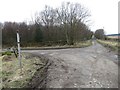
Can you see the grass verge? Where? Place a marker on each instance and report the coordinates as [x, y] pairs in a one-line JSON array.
[[76, 45], [13, 77], [113, 45]]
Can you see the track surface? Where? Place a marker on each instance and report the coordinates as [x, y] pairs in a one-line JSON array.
[[90, 67]]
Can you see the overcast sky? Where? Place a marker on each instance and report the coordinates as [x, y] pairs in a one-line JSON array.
[[104, 12]]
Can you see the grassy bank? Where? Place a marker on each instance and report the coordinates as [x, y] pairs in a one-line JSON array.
[[14, 77], [113, 45], [76, 45]]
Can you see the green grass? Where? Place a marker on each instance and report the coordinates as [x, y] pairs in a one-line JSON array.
[[110, 44], [6, 53], [11, 74]]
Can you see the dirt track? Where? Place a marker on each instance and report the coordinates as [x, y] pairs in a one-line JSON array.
[[90, 67]]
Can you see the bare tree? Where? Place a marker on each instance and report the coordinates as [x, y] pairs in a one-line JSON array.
[[72, 15], [48, 18]]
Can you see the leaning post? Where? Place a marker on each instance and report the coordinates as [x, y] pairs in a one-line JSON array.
[[19, 51]]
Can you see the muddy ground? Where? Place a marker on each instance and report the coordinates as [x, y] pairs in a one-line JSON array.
[[90, 67]]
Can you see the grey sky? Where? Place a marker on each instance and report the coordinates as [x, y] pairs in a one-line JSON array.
[[104, 12]]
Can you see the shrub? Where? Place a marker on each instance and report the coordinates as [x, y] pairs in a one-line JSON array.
[[7, 53]]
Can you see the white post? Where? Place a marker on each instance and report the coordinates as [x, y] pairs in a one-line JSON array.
[[18, 42]]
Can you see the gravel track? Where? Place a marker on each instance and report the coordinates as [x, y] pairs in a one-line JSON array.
[[90, 67]]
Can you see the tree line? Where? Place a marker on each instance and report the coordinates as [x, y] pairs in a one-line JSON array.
[[64, 25]]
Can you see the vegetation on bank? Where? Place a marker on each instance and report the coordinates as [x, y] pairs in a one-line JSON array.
[[114, 45], [12, 76]]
